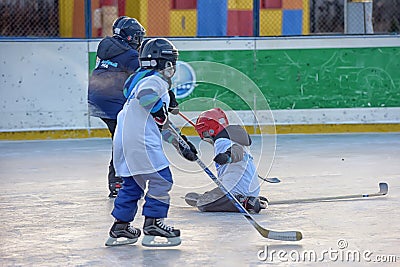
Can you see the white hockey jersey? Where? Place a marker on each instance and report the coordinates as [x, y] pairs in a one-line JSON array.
[[239, 177], [137, 144]]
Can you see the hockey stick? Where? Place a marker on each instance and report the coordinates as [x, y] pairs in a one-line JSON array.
[[383, 190], [187, 119], [271, 234], [273, 180]]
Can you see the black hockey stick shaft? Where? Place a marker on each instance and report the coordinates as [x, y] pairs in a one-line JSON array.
[[383, 190], [284, 235]]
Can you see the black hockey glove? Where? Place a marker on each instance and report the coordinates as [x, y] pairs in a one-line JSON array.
[[233, 154], [189, 154], [160, 116], [223, 158], [173, 104]]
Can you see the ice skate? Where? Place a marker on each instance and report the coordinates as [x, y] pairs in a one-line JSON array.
[[263, 202], [251, 204], [157, 234], [191, 198], [121, 233]]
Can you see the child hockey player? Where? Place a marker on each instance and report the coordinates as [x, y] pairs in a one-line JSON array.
[[117, 58], [234, 164], [138, 153]]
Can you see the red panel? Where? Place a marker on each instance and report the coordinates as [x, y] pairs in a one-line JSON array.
[[108, 2], [240, 22], [271, 4], [184, 4], [121, 8]]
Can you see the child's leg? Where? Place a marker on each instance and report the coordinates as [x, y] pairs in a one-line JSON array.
[[215, 200], [125, 205], [157, 197], [155, 210]]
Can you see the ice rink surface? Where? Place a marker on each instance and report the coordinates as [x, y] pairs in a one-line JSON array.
[[55, 212]]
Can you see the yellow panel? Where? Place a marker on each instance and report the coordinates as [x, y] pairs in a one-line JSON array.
[[306, 17], [270, 22], [137, 9], [66, 12], [183, 22], [240, 4], [189, 131]]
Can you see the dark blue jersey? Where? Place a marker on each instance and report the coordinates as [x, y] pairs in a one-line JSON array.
[[116, 61]]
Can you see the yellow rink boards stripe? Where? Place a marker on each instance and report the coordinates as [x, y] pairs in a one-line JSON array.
[[280, 129]]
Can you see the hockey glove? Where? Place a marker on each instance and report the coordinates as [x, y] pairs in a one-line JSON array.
[[189, 154], [223, 158], [160, 116], [233, 154], [173, 104]]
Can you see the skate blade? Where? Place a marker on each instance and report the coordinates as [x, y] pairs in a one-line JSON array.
[[111, 241], [158, 241]]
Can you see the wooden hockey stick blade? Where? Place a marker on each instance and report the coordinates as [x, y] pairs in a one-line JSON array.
[[383, 190], [275, 235], [272, 180]]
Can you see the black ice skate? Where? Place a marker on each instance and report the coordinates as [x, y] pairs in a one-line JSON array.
[[157, 234], [251, 204], [121, 233], [263, 202], [114, 188]]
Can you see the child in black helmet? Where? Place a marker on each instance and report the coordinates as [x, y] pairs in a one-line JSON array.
[[138, 153], [117, 59]]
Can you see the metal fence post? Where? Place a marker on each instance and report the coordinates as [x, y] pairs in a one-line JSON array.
[[256, 18], [88, 19]]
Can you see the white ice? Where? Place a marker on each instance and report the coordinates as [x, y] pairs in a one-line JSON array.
[[54, 209]]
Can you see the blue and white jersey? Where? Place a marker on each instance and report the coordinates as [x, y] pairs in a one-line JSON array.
[[137, 144], [239, 177]]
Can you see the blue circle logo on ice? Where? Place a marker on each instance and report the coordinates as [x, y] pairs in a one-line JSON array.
[[184, 80]]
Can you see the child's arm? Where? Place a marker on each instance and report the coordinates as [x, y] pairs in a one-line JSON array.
[[231, 155]]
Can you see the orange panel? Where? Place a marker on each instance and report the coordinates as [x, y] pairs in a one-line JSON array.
[[158, 19], [292, 4], [79, 19]]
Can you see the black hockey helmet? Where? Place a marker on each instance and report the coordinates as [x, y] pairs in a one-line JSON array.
[[117, 21], [159, 54], [130, 30]]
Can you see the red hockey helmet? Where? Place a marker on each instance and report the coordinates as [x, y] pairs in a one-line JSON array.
[[211, 122]]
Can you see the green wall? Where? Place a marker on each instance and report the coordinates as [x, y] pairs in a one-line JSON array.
[[312, 78], [308, 78]]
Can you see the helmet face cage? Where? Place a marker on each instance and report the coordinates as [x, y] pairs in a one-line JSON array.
[[158, 53], [131, 31], [211, 122]]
